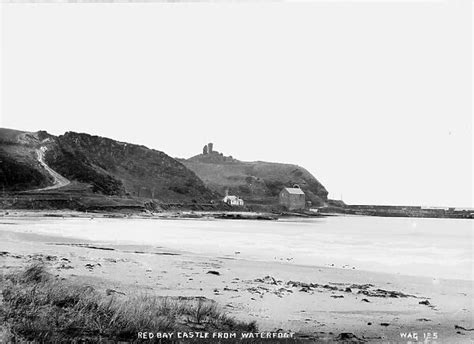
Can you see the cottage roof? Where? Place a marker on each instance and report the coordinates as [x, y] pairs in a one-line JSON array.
[[230, 197], [294, 191]]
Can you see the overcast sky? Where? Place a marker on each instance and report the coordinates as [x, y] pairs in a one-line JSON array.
[[373, 98]]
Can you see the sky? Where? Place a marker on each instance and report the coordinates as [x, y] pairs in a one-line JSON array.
[[373, 98]]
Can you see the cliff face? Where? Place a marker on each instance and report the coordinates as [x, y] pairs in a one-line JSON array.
[[101, 165], [257, 182]]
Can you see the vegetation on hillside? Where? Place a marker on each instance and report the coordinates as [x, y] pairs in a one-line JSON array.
[[19, 169], [17, 175], [9, 136], [108, 167], [117, 168], [257, 182], [103, 166], [75, 166]]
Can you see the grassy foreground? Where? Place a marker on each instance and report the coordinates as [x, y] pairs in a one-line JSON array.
[[36, 306]]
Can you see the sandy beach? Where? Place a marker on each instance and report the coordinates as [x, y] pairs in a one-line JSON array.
[[316, 302]]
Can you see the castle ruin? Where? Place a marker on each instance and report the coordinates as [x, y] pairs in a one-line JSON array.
[[207, 149]]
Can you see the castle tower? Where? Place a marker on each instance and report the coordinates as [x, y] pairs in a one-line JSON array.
[[210, 147]]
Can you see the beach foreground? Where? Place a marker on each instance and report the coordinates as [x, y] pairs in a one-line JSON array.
[[320, 304]]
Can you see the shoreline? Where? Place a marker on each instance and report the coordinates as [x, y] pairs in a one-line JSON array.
[[275, 241], [182, 214], [195, 215], [313, 301]]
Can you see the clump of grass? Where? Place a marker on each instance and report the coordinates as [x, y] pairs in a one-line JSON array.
[[37, 306], [35, 273]]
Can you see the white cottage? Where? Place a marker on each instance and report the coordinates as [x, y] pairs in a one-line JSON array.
[[233, 200]]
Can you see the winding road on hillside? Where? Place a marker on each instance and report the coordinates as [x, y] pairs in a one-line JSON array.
[[58, 180]]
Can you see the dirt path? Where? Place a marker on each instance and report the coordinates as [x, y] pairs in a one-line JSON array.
[[58, 180]]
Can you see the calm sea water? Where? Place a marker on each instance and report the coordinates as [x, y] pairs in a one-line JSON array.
[[441, 248]]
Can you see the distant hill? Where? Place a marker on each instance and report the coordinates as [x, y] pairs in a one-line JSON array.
[[82, 164], [35, 160], [257, 182]]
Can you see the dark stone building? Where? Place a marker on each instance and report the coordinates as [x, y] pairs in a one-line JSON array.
[[293, 198]]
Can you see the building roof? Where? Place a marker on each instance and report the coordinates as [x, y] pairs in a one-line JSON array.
[[232, 198], [294, 191]]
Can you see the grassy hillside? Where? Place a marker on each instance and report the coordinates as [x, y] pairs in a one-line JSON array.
[[107, 167], [17, 175], [10, 135], [257, 182], [118, 168], [100, 165], [19, 167]]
